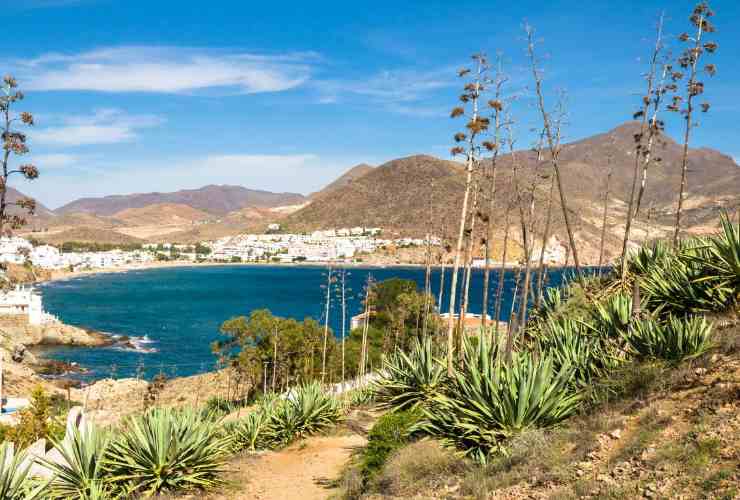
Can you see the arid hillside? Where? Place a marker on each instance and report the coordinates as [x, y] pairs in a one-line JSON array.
[[400, 194], [217, 200]]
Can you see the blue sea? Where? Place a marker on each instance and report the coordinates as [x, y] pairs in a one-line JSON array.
[[173, 315]]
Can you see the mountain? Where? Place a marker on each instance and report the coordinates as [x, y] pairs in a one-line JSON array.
[[216, 200], [161, 213], [345, 179], [397, 195]]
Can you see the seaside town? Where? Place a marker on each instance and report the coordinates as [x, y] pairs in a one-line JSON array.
[[333, 245]]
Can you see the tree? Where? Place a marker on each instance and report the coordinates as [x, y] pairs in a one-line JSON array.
[[475, 126], [689, 61], [14, 143]]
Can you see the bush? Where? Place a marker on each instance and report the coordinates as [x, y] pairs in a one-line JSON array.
[[409, 380], [419, 465], [675, 340], [167, 450], [41, 420], [389, 433], [307, 410], [253, 431], [491, 401]]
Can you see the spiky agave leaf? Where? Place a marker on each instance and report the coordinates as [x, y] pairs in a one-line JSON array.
[[81, 474], [15, 483], [307, 409], [490, 401], [167, 450], [581, 345], [675, 340], [409, 379]]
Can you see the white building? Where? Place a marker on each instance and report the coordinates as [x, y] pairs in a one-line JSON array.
[[47, 256], [24, 301], [13, 250]]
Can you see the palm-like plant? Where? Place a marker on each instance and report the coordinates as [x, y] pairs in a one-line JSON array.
[[675, 340], [307, 410], [612, 316], [409, 379], [15, 483], [167, 450], [490, 401], [80, 473]]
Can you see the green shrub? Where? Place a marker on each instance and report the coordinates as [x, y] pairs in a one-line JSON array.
[[253, 431], [14, 481], [167, 450], [40, 420], [673, 340], [488, 402], [217, 406], [580, 345], [308, 409], [389, 433], [82, 473], [409, 380]]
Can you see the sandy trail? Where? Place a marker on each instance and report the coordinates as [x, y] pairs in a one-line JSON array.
[[302, 471]]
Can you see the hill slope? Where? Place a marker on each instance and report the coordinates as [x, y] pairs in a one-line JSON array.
[[345, 179], [217, 200], [396, 195]]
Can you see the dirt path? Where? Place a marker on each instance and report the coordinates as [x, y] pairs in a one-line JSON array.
[[302, 471]]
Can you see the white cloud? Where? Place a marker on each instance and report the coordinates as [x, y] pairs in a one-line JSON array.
[[397, 91], [55, 160], [104, 126], [166, 70]]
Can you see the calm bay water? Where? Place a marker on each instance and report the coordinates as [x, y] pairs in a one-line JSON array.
[[174, 314]]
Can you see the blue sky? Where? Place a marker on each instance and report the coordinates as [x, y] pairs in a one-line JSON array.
[[133, 96]]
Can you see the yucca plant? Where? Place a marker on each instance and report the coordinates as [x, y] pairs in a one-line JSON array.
[[167, 450], [410, 379], [491, 401], [15, 483], [673, 340], [81, 472], [308, 409]]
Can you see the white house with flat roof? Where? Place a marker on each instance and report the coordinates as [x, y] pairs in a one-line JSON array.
[[24, 301]]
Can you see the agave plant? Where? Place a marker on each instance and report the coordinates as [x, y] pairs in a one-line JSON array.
[[581, 345], [167, 450], [611, 317], [723, 257], [81, 472], [15, 483], [674, 340], [409, 380], [307, 409], [251, 432], [490, 401]]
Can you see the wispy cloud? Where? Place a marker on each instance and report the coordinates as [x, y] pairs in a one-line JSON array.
[[398, 91], [170, 70], [104, 126], [55, 160]]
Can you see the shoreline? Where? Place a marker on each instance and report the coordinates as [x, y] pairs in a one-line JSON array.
[[61, 275]]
